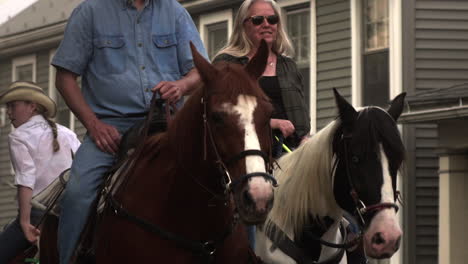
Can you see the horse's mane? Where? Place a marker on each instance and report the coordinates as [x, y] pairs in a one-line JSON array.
[[306, 184]]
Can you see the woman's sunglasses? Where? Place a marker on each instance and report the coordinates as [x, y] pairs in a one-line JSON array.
[[258, 20]]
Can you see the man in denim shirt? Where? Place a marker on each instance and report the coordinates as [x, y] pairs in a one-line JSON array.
[[124, 50]]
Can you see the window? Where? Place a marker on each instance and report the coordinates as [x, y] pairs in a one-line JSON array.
[[298, 29], [376, 25], [375, 58], [24, 69], [215, 29], [64, 116], [216, 37]]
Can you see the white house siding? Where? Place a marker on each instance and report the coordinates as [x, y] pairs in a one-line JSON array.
[[8, 208], [42, 66], [437, 55], [333, 56]]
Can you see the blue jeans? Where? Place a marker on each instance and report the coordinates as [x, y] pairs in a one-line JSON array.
[[12, 240], [87, 171]]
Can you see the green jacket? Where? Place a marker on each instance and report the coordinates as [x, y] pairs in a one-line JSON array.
[[292, 91]]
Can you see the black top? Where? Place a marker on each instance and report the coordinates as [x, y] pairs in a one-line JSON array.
[[270, 86], [292, 95]]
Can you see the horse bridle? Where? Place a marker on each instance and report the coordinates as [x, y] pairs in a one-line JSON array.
[[360, 207], [205, 249], [229, 184]]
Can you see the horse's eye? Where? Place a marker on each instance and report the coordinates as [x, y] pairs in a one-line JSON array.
[[217, 118], [355, 159]]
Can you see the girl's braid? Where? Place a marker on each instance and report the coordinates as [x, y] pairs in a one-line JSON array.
[[53, 126]]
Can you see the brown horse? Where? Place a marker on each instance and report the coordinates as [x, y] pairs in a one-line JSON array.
[[179, 202]]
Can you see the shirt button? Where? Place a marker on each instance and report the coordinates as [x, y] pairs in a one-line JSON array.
[[166, 41], [147, 90], [142, 67], [140, 44], [108, 42]]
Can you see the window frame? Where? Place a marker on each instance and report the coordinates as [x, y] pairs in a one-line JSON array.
[[21, 61], [211, 18], [53, 90]]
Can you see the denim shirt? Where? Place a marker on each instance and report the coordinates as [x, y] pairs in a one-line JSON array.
[[121, 53]]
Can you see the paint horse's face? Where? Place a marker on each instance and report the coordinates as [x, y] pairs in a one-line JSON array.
[[238, 114], [369, 153]]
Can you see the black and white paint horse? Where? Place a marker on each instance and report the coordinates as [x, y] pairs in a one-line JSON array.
[[351, 167]]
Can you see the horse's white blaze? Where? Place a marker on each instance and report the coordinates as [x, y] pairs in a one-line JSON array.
[[260, 189], [385, 221]]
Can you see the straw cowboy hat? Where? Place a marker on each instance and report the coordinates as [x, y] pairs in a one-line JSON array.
[[27, 91]]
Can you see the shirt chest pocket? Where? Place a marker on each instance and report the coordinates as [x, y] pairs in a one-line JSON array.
[[109, 54], [165, 53]]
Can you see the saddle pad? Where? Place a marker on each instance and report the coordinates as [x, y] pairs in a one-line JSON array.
[[113, 182], [50, 196]]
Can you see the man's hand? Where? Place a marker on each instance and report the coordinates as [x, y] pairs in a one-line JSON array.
[[106, 137], [171, 91], [31, 233], [285, 126]]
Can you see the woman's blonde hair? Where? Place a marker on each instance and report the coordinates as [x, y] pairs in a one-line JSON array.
[[240, 45]]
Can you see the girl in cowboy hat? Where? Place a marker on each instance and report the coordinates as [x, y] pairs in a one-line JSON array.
[[40, 150]]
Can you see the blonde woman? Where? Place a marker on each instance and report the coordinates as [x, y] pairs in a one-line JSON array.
[[281, 81], [40, 150]]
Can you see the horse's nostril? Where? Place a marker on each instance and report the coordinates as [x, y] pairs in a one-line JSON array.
[[247, 198], [378, 239]]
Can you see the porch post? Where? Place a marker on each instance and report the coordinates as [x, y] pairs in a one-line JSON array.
[[453, 207]]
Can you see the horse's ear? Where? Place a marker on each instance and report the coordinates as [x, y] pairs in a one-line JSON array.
[[396, 107], [257, 64], [205, 69], [347, 112]]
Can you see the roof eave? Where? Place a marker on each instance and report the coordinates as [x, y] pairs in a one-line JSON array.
[[434, 115], [30, 41], [194, 7]]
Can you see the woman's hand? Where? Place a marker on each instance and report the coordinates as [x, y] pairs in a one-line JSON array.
[[285, 126], [30, 232]]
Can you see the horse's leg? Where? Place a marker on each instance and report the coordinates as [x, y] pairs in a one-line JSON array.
[[48, 243]]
